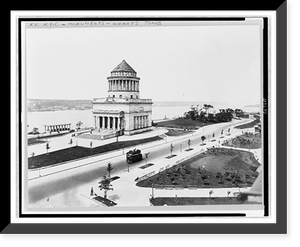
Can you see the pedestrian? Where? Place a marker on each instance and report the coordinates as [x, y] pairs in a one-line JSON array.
[[92, 191]]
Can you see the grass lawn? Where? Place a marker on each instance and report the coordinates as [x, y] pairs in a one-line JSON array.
[[33, 141], [105, 201], [217, 168], [77, 152], [182, 123], [177, 132], [247, 140], [248, 125], [173, 201]]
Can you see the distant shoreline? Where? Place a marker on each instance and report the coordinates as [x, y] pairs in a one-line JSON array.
[[48, 105]]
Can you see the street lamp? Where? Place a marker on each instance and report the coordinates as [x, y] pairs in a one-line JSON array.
[[152, 190], [146, 156]]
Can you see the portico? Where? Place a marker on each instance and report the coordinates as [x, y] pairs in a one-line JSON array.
[[108, 120]]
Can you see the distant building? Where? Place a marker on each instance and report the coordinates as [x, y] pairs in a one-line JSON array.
[[123, 110]]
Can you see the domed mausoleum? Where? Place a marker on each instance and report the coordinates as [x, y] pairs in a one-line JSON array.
[[122, 111]]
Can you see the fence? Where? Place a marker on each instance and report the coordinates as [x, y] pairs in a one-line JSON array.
[[150, 174]]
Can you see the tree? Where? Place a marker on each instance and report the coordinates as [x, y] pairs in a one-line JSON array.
[[247, 176], [229, 110], [211, 117], [189, 143], [204, 177], [71, 142], [109, 168], [239, 112], [203, 138], [47, 147], [78, 125], [171, 148], [206, 107], [105, 185], [32, 156], [220, 176]]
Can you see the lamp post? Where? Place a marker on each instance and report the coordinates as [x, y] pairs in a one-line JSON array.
[[146, 156], [152, 190]]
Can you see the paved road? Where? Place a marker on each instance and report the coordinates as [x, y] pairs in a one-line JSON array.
[[62, 179]]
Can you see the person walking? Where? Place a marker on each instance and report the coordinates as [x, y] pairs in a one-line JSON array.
[[92, 191]]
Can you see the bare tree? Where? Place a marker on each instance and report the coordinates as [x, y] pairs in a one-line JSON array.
[[109, 168]]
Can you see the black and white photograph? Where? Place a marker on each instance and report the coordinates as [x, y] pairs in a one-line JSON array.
[[152, 116]]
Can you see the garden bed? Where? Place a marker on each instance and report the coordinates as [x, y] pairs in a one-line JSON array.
[[171, 156], [216, 168], [175, 201], [247, 141], [105, 201], [182, 123], [248, 125], [146, 166]]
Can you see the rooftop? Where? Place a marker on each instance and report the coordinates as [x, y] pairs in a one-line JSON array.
[[124, 67]]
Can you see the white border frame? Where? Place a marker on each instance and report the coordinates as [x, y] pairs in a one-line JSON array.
[[14, 113]]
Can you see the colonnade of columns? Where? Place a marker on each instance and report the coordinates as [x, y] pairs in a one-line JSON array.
[[140, 122], [123, 85], [58, 127], [107, 122]]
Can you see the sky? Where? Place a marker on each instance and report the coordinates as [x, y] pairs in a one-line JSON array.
[[213, 63]]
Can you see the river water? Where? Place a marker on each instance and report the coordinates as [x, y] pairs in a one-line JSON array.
[[39, 119]]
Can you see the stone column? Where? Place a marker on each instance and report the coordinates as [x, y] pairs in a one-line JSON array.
[[113, 123], [108, 122], [139, 122]]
